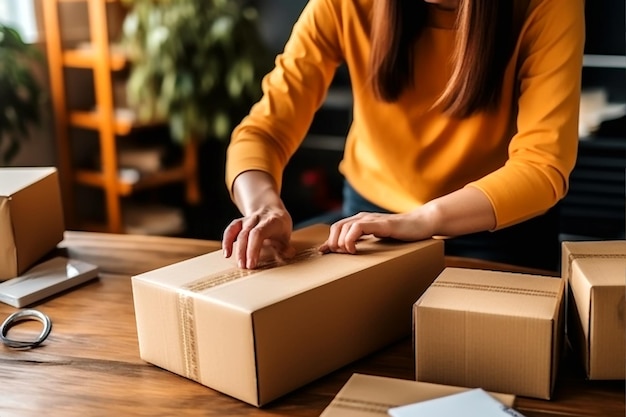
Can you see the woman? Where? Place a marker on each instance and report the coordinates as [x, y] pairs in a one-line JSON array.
[[464, 122]]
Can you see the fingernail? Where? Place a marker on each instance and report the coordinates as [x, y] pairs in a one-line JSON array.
[[240, 264]]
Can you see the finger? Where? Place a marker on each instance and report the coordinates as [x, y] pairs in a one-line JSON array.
[[377, 226], [241, 248], [324, 248], [333, 236], [341, 242], [243, 240], [335, 233], [255, 245], [354, 233], [230, 235]]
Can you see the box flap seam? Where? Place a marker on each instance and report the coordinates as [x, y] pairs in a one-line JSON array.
[[495, 288]]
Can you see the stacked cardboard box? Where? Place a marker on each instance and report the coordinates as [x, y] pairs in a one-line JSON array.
[[494, 330], [31, 217], [257, 335], [596, 328]]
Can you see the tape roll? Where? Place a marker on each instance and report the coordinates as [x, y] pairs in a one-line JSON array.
[[20, 316]]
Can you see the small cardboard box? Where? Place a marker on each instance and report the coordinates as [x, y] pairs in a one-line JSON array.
[[259, 334], [493, 330], [31, 217], [369, 395], [596, 276]]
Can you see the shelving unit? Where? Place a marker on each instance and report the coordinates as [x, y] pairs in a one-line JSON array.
[[110, 124], [604, 61]]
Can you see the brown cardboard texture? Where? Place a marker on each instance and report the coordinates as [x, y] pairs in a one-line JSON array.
[[498, 331], [369, 395], [259, 334], [596, 329], [31, 217]]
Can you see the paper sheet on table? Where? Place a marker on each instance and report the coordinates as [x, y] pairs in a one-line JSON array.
[[472, 403]]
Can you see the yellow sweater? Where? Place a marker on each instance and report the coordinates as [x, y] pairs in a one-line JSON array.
[[403, 154]]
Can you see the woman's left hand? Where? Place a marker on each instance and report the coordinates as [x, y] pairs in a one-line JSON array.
[[346, 232], [467, 210]]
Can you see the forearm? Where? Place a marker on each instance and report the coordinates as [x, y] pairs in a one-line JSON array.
[[467, 210], [464, 211], [255, 190]]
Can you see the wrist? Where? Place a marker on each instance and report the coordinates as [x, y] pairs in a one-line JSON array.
[[254, 191], [429, 217], [262, 199]]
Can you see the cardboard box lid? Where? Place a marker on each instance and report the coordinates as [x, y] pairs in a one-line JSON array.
[[13, 180], [217, 278], [607, 250], [374, 395], [494, 292]]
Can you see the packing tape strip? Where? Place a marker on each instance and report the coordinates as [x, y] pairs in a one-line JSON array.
[[369, 407], [494, 288], [188, 292]]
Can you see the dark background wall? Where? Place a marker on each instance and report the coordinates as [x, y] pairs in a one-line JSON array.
[[594, 206]]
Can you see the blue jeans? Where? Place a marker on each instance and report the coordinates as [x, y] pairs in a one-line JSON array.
[[352, 204], [533, 243]]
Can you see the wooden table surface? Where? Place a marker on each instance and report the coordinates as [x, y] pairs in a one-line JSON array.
[[90, 365]]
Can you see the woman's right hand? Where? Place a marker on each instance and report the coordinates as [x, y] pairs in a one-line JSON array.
[[265, 228], [263, 234]]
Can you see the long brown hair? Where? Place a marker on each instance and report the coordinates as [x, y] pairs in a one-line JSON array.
[[484, 44]]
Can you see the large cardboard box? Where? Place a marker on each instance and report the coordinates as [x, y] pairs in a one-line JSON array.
[[31, 217], [369, 395], [259, 334], [596, 274], [493, 330]]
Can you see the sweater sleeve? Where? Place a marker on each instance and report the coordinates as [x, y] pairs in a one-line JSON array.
[[543, 152], [292, 92]]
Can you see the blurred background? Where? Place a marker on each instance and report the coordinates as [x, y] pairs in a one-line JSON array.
[[136, 105]]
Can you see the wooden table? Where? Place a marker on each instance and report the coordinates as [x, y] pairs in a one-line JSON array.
[[90, 364]]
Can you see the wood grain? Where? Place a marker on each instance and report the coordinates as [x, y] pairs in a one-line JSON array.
[[90, 364], [132, 254]]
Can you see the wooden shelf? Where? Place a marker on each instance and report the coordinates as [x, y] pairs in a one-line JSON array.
[[102, 58], [87, 58], [126, 188], [124, 121], [604, 61], [83, 1], [163, 177]]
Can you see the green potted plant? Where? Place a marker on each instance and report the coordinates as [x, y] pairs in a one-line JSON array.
[[20, 92], [195, 63]]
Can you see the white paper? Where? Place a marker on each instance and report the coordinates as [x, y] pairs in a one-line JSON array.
[[472, 403], [46, 279]]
